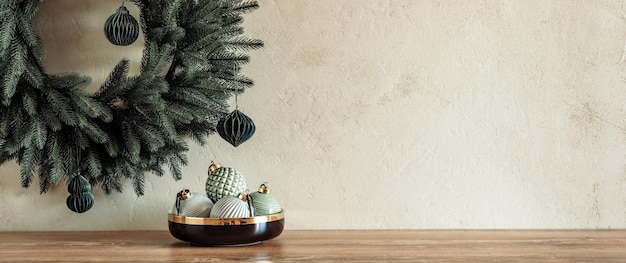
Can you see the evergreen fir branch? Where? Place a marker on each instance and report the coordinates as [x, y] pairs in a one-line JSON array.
[[225, 61], [202, 11], [133, 144], [111, 88], [111, 182], [151, 138], [150, 59], [29, 102], [33, 76], [92, 108], [157, 170], [178, 113], [30, 7], [27, 166], [12, 73], [7, 30], [191, 96], [134, 173], [69, 82], [112, 148], [245, 7], [230, 21], [51, 118], [199, 135], [60, 105], [12, 146], [169, 13], [44, 183], [44, 174], [94, 165], [165, 124], [4, 125], [68, 151], [52, 164], [29, 36], [40, 132], [199, 35], [175, 169], [243, 44], [95, 133]]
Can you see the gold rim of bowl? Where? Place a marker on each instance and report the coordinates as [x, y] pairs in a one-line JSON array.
[[212, 221]]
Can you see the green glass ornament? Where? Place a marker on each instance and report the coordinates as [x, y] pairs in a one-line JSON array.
[[80, 202], [80, 199], [224, 181], [121, 28], [263, 202], [236, 128]]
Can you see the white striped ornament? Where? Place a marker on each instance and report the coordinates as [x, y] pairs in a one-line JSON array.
[[231, 207]]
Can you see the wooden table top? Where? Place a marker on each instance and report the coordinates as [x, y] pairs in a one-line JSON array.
[[324, 246]]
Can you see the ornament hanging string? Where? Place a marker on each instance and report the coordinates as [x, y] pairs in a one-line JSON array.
[[236, 72]]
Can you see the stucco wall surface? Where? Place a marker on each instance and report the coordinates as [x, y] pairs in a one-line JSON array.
[[390, 114]]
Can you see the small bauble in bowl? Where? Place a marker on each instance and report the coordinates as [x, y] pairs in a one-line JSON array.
[[232, 207], [192, 204], [224, 181], [264, 202]]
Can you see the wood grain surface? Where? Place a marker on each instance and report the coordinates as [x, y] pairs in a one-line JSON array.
[[324, 246]]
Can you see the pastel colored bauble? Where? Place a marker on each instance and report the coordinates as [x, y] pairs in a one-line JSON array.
[[231, 207], [224, 181], [195, 205], [265, 204]]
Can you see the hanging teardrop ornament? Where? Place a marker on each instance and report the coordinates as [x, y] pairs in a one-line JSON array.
[[121, 28], [236, 128]]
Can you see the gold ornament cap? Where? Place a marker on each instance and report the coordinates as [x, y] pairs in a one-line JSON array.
[[183, 194], [214, 166], [264, 188], [244, 196]]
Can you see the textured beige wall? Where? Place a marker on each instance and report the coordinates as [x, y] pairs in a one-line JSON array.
[[392, 114]]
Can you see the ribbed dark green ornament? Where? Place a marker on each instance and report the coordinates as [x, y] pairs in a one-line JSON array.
[[78, 184], [80, 202], [236, 128], [121, 28], [80, 199]]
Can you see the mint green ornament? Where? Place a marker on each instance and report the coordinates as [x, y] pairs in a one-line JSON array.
[[263, 202], [224, 181]]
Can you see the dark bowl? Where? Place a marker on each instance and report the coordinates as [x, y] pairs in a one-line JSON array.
[[226, 231]]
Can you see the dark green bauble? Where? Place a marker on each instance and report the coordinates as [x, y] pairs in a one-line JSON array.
[[80, 202], [236, 128], [121, 28], [78, 184]]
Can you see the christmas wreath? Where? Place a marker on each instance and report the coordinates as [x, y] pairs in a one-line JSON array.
[[132, 125]]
